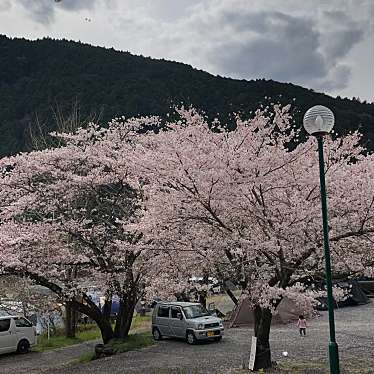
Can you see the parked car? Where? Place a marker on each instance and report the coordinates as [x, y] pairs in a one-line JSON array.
[[17, 334], [190, 321]]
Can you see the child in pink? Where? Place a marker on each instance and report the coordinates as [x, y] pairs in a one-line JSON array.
[[301, 324]]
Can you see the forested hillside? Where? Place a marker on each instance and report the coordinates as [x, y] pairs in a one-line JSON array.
[[37, 78]]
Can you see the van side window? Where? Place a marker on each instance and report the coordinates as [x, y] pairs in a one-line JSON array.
[[22, 322], [163, 311], [4, 324], [175, 311]]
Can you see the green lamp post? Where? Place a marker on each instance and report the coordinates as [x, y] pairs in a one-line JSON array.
[[319, 121]]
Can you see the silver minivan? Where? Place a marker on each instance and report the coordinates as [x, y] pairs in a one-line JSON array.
[[16, 334], [190, 321]]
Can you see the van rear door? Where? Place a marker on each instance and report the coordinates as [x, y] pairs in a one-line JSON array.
[[8, 336]]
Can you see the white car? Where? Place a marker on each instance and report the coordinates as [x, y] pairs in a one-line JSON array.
[[17, 334]]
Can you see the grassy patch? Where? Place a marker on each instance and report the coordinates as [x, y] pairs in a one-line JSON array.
[[85, 333], [132, 342], [85, 357], [223, 297], [54, 342], [140, 323]]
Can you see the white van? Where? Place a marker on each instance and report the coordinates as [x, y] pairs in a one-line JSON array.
[[16, 334]]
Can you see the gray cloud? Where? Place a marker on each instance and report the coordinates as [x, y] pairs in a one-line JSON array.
[[307, 45], [249, 41], [339, 43], [337, 78], [5, 5], [43, 11], [342, 34], [314, 44], [271, 45]]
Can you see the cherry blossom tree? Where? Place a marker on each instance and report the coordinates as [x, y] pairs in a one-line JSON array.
[[137, 213], [64, 223], [247, 202]]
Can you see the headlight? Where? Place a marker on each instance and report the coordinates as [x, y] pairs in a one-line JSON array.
[[200, 326], [221, 324]]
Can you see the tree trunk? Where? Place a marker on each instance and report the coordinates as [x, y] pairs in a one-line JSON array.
[[70, 312], [74, 321], [69, 321], [25, 309], [107, 309], [262, 332], [230, 293], [202, 298], [105, 329], [124, 317], [90, 309]]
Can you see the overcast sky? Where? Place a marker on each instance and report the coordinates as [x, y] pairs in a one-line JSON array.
[[327, 45]]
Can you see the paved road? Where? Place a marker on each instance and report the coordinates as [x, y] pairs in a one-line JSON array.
[[355, 336]]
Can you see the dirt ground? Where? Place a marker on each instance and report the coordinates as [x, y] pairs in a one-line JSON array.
[[355, 337]]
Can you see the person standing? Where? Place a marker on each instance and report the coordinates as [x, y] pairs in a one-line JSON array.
[[301, 324]]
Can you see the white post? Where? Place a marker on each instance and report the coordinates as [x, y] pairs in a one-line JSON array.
[[252, 356]]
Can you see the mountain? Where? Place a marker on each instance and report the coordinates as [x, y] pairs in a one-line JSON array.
[[40, 78]]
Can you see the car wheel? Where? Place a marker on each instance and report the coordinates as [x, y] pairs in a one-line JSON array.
[[190, 337], [218, 338], [23, 346], [156, 334]]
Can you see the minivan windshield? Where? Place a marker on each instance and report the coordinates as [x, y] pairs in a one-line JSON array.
[[195, 311]]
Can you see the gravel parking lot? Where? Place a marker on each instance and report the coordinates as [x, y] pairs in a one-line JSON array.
[[355, 336]]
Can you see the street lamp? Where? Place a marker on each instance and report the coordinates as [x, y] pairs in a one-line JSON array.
[[319, 121]]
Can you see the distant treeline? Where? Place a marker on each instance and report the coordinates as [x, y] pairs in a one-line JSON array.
[[41, 80]]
